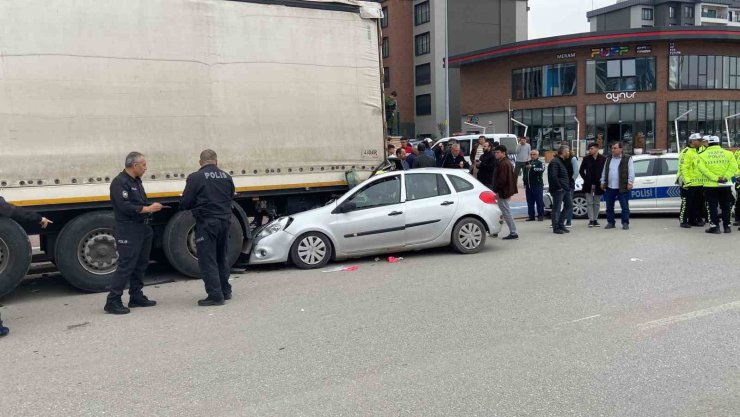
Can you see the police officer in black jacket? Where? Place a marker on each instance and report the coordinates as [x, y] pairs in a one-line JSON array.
[[21, 215], [208, 194], [133, 235]]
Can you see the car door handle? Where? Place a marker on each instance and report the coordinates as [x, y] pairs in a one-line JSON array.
[[447, 203], [395, 213], [648, 182]]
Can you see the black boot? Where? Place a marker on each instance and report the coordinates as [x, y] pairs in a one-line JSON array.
[[714, 230], [227, 296], [115, 307], [685, 225], [210, 302], [728, 229], [141, 301]]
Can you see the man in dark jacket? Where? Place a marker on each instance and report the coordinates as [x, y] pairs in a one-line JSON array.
[[591, 169], [505, 186], [486, 166], [455, 159], [423, 160], [19, 214], [557, 176], [534, 186]]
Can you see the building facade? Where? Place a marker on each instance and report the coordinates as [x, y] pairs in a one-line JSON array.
[[610, 86], [633, 14], [417, 34]]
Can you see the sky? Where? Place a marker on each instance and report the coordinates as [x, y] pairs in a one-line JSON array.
[[560, 17]]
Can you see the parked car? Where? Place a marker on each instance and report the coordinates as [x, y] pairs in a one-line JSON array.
[[391, 212], [466, 142], [654, 191]]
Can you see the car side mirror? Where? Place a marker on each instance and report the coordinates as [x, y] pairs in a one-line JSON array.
[[347, 207]]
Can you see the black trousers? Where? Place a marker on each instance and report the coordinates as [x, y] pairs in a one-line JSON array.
[[211, 242], [693, 208], [737, 203], [557, 214], [718, 197], [133, 243]]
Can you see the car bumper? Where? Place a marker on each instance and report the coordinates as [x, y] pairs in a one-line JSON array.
[[492, 217], [274, 248]]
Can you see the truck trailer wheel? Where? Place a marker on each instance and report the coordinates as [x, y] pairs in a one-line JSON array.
[[178, 243], [86, 251], [15, 255]]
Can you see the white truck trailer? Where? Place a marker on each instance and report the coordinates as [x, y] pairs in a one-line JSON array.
[[287, 92]]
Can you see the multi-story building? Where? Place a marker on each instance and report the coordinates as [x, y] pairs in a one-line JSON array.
[[414, 48], [633, 14]]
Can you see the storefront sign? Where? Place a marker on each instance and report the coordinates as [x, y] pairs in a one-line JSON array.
[[566, 55], [610, 52], [617, 97], [672, 49], [644, 49]]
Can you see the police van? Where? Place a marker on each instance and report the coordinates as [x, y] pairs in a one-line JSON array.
[[654, 190], [466, 142]]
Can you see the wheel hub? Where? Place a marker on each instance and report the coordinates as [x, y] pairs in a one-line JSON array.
[[97, 252], [470, 236], [312, 250]]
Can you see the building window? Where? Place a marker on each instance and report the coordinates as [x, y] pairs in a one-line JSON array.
[[631, 74], [699, 72], [547, 127], [386, 50], [672, 12], [610, 123], [424, 105], [423, 74], [706, 118], [545, 81], [422, 44], [384, 19], [386, 77], [421, 13], [647, 14], [688, 12]]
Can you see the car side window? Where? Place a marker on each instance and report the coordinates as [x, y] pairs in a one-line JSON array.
[[460, 184], [669, 166], [419, 186], [643, 168], [465, 146], [383, 192]]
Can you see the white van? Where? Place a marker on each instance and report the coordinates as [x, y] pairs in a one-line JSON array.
[[466, 142]]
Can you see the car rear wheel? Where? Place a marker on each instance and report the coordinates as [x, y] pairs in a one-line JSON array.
[[469, 235], [580, 210], [311, 250]]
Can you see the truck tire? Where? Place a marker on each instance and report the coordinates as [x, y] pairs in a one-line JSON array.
[[15, 255], [178, 243], [86, 251]]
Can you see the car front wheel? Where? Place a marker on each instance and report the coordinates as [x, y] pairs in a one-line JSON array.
[[469, 235], [311, 250]]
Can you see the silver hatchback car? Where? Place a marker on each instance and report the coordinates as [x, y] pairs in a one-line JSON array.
[[391, 212]]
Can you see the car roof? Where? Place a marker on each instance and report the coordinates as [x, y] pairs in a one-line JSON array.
[[649, 156]]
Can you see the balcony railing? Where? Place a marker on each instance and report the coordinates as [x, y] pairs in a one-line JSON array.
[[714, 15]]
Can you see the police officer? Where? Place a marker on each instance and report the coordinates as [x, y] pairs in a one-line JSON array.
[[208, 194], [19, 214], [717, 167], [737, 189], [688, 179], [133, 235]]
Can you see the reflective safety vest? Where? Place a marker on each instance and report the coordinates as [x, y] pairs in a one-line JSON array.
[[714, 163]]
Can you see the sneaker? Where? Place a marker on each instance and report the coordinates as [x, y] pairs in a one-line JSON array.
[[565, 229], [685, 225], [210, 302], [530, 220], [115, 307], [626, 226], [590, 224], [511, 237], [558, 231], [567, 225], [728, 229], [700, 223], [539, 219], [141, 301], [596, 223], [610, 226], [227, 296], [714, 230]]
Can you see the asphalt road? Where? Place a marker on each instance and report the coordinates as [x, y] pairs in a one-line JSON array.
[[643, 322]]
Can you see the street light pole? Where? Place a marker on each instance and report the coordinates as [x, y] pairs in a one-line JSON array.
[[447, 70], [675, 124], [727, 127]]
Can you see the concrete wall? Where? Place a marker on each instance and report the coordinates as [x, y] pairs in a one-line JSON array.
[[401, 59]]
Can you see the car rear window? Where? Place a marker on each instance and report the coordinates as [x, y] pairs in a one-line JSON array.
[[460, 184]]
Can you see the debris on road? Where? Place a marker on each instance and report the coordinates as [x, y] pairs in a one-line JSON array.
[[393, 259], [343, 268], [635, 260], [72, 326]]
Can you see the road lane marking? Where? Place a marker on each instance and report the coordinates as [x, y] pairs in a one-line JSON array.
[[689, 316], [586, 318]]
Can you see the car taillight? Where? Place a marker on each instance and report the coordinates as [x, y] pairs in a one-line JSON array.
[[488, 197]]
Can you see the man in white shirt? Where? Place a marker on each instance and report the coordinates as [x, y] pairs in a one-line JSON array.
[[616, 181]]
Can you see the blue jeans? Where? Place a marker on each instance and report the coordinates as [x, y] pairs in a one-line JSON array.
[[610, 196], [534, 197]]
